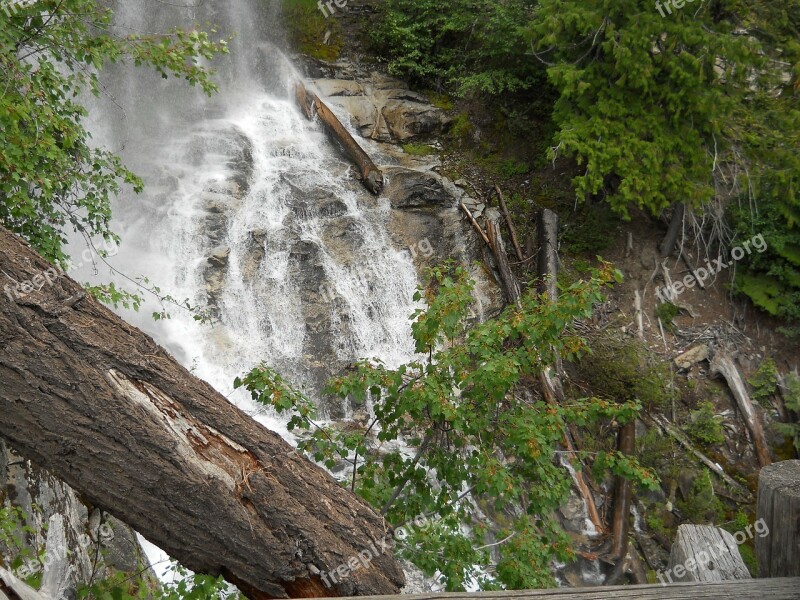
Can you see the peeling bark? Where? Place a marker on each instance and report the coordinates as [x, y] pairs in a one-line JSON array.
[[100, 404]]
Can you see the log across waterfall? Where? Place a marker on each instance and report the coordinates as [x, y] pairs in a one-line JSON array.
[[371, 175], [98, 403]]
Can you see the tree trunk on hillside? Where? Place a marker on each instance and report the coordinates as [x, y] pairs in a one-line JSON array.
[[98, 403], [723, 365], [547, 234]]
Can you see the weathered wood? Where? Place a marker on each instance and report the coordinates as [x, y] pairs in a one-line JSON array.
[[99, 404], [476, 225], [763, 589], [620, 523], [722, 364], [637, 309], [13, 588], [675, 227], [778, 552], [501, 258], [310, 104], [547, 235], [704, 553], [510, 223]]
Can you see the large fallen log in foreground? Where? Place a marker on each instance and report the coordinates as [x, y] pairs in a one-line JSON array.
[[371, 175], [101, 405]]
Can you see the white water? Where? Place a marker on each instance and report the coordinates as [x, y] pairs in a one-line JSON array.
[[181, 144]]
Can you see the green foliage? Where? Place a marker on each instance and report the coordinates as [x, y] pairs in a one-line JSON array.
[[472, 46], [653, 106], [51, 177], [764, 382], [660, 453], [505, 168], [702, 505], [463, 408], [667, 311], [310, 32], [590, 229], [771, 279], [705, 427], [18, 542], [183, 585], [418, 149], [623, 370], [792, 399]]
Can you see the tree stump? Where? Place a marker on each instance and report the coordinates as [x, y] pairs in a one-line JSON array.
[[704, 553], [778, 551]]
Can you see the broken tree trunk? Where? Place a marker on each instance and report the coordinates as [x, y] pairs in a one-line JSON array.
[[723, 365], [704, 553], [310, 104], [510, 223], [668, 428], [101, 405], [620, 523], [499, 250], [547, 234], [675, 228]]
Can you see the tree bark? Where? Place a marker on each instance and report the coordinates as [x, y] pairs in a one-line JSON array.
[[371, 175], [511, 230], [675, 227], [547, 234], [620, 523], [499, 250], [100, 404]]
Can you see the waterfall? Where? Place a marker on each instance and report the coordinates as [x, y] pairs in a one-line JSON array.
[[248, 210]]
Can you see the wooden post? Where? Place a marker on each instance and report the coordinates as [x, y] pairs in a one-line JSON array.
[[778, 512], [704, 553], [547, 234]]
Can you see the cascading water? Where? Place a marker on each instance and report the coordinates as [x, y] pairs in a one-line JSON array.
[[248, 210]]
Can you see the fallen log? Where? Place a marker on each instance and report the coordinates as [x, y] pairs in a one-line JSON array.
[[722, 364], [510, 223], [99, 404], [667, 428], [501, 258], [476, 225], [310, 104]]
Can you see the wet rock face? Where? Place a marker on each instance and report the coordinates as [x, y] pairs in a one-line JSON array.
[[96, 542], [380, 107]]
